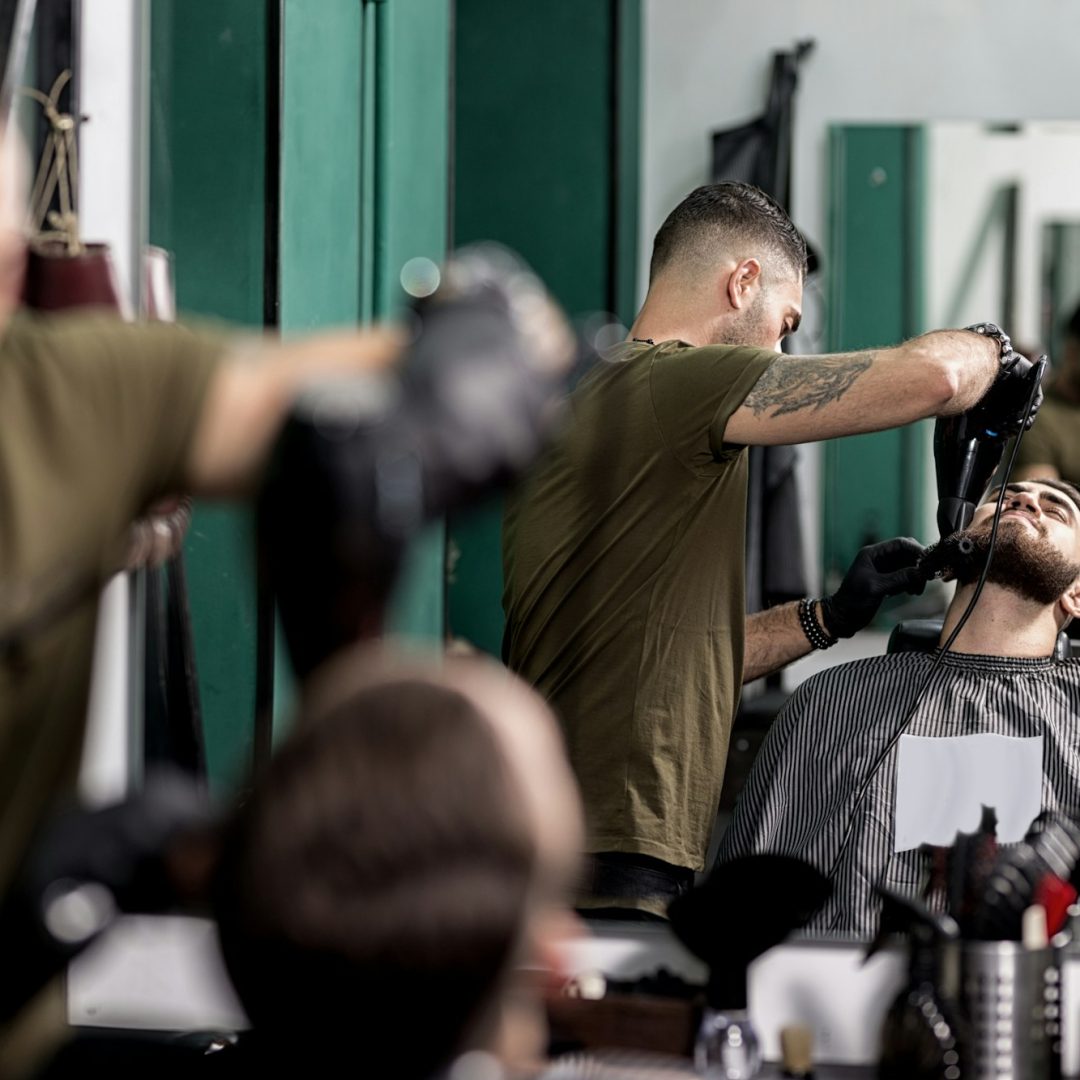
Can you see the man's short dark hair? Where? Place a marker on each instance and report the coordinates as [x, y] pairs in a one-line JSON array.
[[373, 889], [728, 218]]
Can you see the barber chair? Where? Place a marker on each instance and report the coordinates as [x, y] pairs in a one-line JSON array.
[[922, 635]]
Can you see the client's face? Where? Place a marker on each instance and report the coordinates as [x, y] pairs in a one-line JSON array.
[[1037, 554]]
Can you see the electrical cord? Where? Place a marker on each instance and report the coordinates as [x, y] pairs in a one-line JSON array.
[[936, 666]]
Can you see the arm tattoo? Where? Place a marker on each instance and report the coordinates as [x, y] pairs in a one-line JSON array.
[[792, 383]]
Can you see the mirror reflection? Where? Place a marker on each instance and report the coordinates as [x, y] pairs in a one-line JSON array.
[[620, 621], [886, 758]]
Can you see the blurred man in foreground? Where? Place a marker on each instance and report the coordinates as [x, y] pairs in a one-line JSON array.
[[99, 419], [410, 848]]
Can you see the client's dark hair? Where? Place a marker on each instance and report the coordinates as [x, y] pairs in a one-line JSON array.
[[373, 888], [724, 218]]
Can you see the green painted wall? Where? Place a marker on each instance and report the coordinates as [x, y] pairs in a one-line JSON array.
[[320, 242], [533, 129], [873, 483], [208, 98], [546, 120]]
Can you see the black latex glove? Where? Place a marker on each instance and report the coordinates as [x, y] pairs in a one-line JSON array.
[[1001, 409], [98, 863], [119, 846], [884, 569], [362, 464]]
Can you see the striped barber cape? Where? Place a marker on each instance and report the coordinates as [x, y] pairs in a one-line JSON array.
[[802, 793]]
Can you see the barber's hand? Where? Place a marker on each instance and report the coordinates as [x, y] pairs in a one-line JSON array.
[[1002, 408], [124, 847], [85, 867], [486, 376], [879, 570]]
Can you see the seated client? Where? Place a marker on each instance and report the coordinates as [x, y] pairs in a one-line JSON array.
[[408, 850], [999, 724]]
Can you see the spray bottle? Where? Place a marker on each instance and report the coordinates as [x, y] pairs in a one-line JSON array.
[[922, 1036]]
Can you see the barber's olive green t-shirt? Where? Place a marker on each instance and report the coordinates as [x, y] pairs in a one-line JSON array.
[[96, 418], [624, 590], [1054, 438]]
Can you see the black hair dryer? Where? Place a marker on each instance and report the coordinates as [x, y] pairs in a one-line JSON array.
[[965, 456], [967, 451]]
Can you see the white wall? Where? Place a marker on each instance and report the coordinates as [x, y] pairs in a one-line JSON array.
[[114, 88], [112, 208], [966, 166], [707, 64]]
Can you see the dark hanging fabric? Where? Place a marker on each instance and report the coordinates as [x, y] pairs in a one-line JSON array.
[[173, 715], [759, 153], [774, 551]]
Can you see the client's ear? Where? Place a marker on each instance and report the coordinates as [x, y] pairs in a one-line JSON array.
[[1070, 601]]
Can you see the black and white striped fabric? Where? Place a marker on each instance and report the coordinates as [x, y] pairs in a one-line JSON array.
[[801, 794]]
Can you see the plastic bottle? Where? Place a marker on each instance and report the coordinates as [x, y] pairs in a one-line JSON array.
[[922, 1037]]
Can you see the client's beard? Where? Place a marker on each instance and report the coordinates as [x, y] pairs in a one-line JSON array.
[[1025, 564]]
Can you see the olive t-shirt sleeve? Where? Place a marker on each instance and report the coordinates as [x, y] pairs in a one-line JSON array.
[[130, 395], [697, 389]]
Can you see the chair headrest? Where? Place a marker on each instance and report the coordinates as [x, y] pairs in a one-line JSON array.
[[915, 635], [922, 635]]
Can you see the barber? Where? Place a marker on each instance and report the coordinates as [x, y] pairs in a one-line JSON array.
[[623, 555]]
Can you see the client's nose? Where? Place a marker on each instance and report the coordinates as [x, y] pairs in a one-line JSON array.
[[1023, 500]]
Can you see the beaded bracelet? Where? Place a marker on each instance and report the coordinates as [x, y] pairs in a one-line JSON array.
[[813, 630]]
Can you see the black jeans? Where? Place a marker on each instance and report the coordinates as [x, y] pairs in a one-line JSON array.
[[624, 877]]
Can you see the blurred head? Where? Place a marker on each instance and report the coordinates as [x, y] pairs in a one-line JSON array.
[[409, 847], [734, 251], [13, 194], [1037, 555]]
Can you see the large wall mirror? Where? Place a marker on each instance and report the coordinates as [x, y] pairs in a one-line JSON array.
[[967, 222], [932, 225]]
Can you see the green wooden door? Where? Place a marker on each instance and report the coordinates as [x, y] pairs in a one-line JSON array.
[[207, 205], [546, 119], [873, 484], [411, 174]]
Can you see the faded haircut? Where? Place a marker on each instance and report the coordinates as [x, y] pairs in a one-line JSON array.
[[372, 891], [728, 219]]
